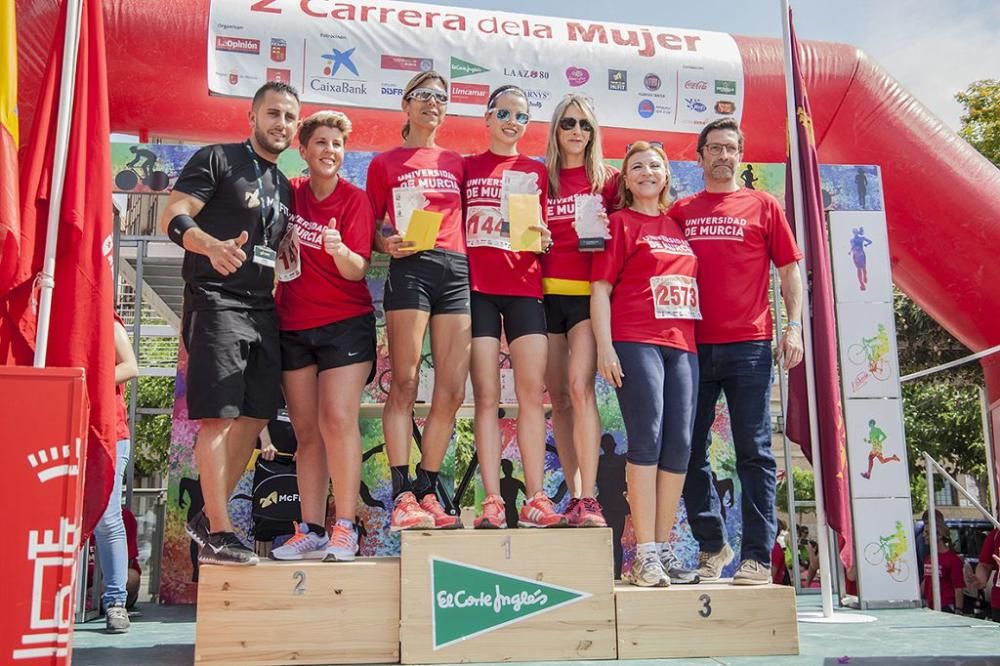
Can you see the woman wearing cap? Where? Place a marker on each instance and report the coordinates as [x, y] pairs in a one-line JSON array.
[[644, 305], [423, 288], [507, 296], [327, 337], [576, 174]]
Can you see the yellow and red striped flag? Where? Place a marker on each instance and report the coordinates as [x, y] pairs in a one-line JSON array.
[[10, 227]]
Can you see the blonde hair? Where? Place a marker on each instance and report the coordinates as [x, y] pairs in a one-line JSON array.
[[593, 156], [331, 119], [416, 82], [624, 195]]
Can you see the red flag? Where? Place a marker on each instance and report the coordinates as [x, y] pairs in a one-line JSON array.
[[10, 226], [81, 331], [832, 433]]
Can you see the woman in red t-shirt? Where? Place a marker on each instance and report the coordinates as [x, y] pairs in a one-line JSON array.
[[644, 303], [424, 288], [578, 178], [327, 327], [507, 297]]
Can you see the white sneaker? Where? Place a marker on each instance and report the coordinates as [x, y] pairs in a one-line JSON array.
[[304, 545], [647, 572]]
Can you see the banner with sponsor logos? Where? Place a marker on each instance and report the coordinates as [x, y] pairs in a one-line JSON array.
[[362, 54]]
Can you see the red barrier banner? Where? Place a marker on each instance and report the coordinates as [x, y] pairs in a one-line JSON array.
[[43, 426]]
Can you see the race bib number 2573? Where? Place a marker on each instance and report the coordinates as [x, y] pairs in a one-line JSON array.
[[675, 297]]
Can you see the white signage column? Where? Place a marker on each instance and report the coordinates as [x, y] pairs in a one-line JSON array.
[[887, 571]]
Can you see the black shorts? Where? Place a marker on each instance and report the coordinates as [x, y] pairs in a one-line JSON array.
[[435, 281], [234, 363], [562, 313], [334, 345], [520, 315]]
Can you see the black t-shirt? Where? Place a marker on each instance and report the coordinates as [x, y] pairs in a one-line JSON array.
[[223, 176]]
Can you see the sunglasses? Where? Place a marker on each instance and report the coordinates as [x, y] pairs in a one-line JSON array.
[[427, 94], [569, 123], [503, 115]]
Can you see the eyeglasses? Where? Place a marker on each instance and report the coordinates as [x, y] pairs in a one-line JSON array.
[[569, 123], [503, 115], [716, 149], [427, 94]]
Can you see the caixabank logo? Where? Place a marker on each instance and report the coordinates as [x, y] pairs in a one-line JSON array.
[[340, 74], [469, 601]]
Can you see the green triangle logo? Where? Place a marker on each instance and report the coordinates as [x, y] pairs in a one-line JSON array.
[[470, 601], [460, 68]]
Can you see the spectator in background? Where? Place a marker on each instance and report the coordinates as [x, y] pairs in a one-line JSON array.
[[989, 562], [949, 572], [779, 570], [134, 570]]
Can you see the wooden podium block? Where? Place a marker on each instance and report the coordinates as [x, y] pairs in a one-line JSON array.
[[507, 595], [709, 619], [299, 613]]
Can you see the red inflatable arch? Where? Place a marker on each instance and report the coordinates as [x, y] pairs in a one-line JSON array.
[[942, 198]]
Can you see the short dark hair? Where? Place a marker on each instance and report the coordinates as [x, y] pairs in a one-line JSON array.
[[279, 87], [719, 124]]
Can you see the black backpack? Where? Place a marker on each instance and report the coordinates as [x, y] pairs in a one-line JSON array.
[[275, 500]]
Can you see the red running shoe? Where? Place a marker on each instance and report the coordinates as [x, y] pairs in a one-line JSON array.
[[407, 515], [494, 515], [442, 520], [588, 514], [540, 512]]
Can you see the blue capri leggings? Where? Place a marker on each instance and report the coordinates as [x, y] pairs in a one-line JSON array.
[[657, 401]]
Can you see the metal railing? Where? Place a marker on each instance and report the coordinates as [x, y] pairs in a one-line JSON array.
[[931, 465]]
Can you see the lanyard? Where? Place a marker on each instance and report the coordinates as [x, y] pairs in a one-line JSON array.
[[275, 211]]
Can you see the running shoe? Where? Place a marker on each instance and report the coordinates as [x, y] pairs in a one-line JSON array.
[[407, 514], [304, 545], [588, 513], [442, 519], [343, 544], [540, 512], [752, 572], [197, 528], [647, 571], [494, 516], [116, 619], [571, 509], [710, 564], [675, 570], [226, 548]]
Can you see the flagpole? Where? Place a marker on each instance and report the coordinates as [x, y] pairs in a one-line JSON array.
[[71, 43], [822, 536]]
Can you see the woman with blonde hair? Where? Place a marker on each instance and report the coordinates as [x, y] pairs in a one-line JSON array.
[[580, 186], [644, 305], [327, 327], [425, 288]]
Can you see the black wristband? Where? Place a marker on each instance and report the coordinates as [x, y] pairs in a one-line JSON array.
[[178, 226]]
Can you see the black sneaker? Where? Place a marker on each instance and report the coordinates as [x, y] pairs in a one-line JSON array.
[[197, 528], [226, 548]]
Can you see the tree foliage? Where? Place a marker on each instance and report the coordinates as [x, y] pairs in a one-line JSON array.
[[981, 121]]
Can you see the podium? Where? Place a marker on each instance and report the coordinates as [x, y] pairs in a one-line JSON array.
[[706, 620], [307, 612], [507, 595]]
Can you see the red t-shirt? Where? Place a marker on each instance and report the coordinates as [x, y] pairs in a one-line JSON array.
[[736, 236], [652, 272], [121, 410], [991, 547], [778, 564], [950, 577], [493, 267], [437, 172], [565, 262], [321, 295]]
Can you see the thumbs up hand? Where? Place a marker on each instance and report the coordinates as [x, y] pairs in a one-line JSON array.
[[227, 256], [333, 244]]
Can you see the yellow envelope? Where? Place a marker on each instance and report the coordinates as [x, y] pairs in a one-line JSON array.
[[423, 229], [525, 212]]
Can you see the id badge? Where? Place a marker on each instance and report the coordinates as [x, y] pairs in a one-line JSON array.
[[675, 297], [264, 256], [289, 264]]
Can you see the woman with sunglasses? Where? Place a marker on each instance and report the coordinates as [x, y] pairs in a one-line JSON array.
[[423, 288], [507, 296], [575, 166], [327, 338], [644, 303]]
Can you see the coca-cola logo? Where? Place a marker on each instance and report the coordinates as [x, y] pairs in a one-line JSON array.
[[696, 85]]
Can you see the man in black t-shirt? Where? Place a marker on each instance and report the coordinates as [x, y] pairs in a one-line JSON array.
[[228, 211]]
